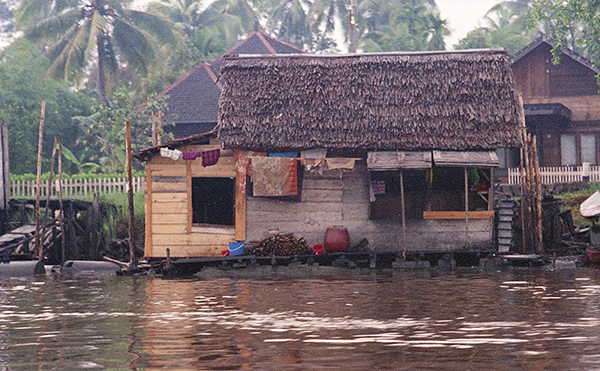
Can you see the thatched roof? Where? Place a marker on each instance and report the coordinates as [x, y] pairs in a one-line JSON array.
[[437, 100]]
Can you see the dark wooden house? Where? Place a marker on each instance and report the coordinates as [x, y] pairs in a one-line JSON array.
[[561, 104], [398, 148], [193, 100]]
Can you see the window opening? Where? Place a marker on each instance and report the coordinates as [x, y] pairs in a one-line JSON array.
[[568, 152], [588, 148], [213, 201], [388, 201]]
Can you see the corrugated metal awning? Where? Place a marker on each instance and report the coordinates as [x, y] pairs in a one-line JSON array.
[[394, 160], [466, 158]]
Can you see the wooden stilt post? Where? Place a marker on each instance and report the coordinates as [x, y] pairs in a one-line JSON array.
[[61, 221], [132, 257], [491, 193], [538, 188], [466, 171], [523, 141], [51, 175], [403, 214], [38, 249]]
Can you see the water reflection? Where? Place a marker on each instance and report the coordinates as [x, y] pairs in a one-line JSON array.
[[524, 320]]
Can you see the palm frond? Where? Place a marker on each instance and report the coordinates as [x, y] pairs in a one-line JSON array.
[[51, 27], [29, 12], [134, 45], [98, 25], [161, 29]]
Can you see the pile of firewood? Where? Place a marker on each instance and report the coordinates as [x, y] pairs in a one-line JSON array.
[[282, 245]]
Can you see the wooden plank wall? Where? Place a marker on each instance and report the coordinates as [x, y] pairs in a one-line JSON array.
[[328, 200], [169, 206]]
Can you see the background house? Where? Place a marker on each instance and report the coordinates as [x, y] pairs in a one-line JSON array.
[[561, 105], [193, 100]]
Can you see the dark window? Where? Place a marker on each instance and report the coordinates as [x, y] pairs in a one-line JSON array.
[[388, 201], [213, 201]]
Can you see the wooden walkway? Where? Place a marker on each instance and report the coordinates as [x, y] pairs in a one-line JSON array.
[[15, 237]]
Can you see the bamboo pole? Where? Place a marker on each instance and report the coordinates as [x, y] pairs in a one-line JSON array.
[[403, 214], [63, 245], [523, 129], [38, 250], [132, 257], [538, 186], [51, 175]]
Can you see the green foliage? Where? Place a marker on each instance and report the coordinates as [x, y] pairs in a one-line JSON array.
[[99, 34], [23, 86], [571, 23], [115, 223], [103, 139], [401, 25], [506, 28]]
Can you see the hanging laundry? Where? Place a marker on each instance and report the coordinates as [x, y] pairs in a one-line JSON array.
[[173, 154], [242, 160], [340, 163], [176, 155], [315, 165], [314, 160], [165, 152], [191, 155], [378, 187], [318, 153], [274, 176], [371, 193], [209, 158]]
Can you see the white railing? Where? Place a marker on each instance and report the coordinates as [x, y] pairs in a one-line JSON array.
[[75, 187], [558, 174]]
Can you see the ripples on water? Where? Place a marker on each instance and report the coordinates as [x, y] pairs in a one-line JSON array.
[[419, 320]]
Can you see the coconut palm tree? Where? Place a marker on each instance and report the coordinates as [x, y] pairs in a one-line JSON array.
[[237, 16], [323, 14], [183, 13], [437, 29], [104, 34]]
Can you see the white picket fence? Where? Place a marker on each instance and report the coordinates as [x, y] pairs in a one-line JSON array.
[[75, 187], [558, 174]]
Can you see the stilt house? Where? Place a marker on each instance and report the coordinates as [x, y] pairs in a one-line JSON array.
[[398, 148]]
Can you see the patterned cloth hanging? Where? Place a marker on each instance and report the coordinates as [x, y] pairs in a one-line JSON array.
[[274, 176], [209, 158]]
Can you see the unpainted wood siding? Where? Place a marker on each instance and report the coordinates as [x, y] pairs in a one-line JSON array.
[[170, 207], [332, 199]]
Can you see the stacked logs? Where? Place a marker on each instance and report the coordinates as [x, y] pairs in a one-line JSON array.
[[282, 245], [531, 190]]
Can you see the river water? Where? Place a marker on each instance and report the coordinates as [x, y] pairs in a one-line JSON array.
[[466, 320]]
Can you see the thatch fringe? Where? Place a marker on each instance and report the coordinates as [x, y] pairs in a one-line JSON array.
[[452, 101]]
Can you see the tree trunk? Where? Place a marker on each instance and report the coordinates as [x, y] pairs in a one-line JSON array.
[[101, 75]]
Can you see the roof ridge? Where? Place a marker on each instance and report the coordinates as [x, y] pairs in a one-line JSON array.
[[273, 38], [564, 49], [181, 79], [267, 45], [241, 42], [361, 55], [213, 76]]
